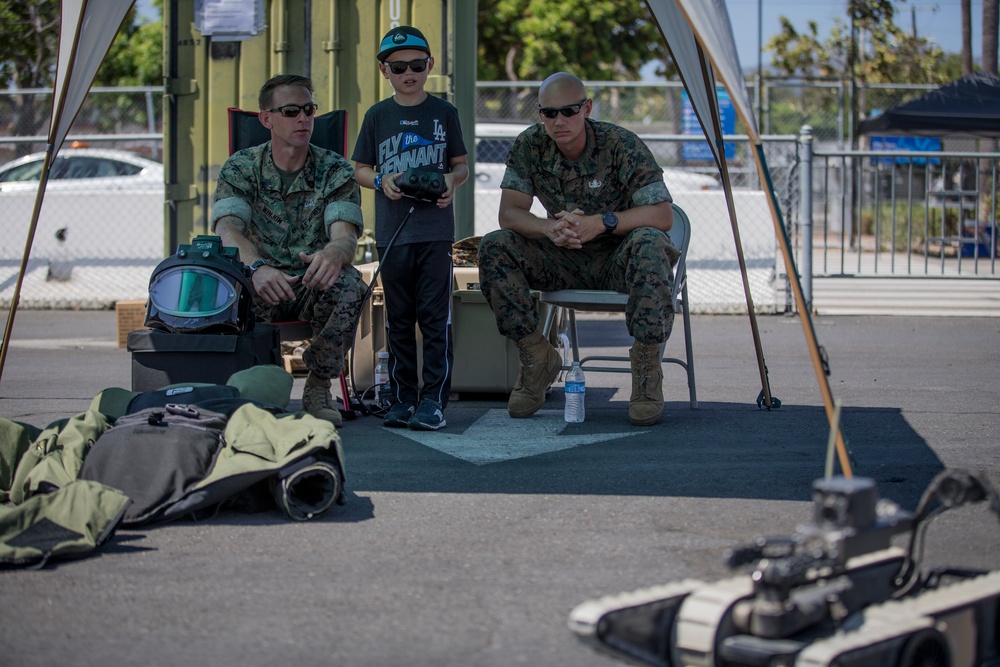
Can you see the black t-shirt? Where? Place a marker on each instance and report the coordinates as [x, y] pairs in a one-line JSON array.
[[394, 138]]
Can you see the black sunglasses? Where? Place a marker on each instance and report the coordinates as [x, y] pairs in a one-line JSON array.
[[292, 110], [399, 66], [568, 111]]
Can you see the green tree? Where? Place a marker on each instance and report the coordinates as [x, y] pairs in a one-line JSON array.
[[30, 45], [802, 54], [29, 49], [595, 39], [870, 45], [598, 40], [27, 59], [867, 48], [136, 56], [30, 39]]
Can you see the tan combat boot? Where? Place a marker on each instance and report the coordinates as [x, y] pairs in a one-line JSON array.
[[317, 400], [540, 364], [646, 404]]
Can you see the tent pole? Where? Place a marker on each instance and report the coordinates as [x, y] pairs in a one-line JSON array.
[[50, 151], [57, 133], [39, 195], [697, 13], [804, 315], [714, 120], [754, 329]]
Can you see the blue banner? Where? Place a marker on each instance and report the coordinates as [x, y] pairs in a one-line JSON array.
[[700, 150], [889, 143]]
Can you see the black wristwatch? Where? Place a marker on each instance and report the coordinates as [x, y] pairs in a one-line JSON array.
[[256, 265], [610, 223]]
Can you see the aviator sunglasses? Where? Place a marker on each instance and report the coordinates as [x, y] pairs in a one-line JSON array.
[[292, 110], [568, 111], [416, 66]]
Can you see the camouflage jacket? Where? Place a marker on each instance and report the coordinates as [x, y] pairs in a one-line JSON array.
[[616, 172], [281, 226]]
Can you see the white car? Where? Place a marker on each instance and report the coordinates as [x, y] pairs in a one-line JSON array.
[[99, 204], [83, 168]]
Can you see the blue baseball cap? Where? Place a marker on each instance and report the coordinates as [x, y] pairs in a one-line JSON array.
[[402, 37]]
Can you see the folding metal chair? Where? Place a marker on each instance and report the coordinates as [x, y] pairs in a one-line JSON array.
[[572, 300]]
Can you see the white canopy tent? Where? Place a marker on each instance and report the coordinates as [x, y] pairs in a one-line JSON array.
[[86, 30], [698, 34]]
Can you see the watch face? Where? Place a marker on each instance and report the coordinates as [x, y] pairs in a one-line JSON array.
[[610, 221]]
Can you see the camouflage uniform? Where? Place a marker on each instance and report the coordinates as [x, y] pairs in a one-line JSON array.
[[282, 226], [616, 172]]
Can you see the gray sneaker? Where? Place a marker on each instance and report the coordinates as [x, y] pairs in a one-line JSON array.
[[428, 417], [399, 415]]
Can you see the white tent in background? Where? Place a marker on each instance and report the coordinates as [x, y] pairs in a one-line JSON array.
[[698, 34], [700, 39], [86, 30]]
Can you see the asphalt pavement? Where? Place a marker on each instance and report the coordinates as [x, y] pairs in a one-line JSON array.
[[471, 545]]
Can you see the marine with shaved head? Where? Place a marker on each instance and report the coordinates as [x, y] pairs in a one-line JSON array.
[[608, 217]]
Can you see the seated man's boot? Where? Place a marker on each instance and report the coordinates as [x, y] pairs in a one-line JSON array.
[[646, 404], [317, 400], [540, 364]]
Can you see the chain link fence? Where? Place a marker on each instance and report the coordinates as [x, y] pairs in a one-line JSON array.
[[122, 118], [100, 229], [129, 119]]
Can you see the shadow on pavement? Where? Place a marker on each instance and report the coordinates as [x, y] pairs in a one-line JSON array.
[[721, 450]]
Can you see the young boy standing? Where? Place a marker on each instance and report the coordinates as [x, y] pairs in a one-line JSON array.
[[413, 129]]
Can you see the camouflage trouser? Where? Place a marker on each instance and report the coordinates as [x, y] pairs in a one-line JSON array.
[[333, 315], [640, 265]]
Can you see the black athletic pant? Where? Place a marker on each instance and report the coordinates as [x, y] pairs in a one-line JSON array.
[[417, 282]]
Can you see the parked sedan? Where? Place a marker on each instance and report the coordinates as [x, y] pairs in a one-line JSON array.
[[99, 204], [89, 168]]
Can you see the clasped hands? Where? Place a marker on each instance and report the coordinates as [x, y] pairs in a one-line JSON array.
[[571, 229]]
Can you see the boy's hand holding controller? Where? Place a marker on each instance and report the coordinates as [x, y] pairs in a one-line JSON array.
[[421, 185]]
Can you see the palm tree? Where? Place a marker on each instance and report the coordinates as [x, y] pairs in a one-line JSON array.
[[966, 37], [991, 14]]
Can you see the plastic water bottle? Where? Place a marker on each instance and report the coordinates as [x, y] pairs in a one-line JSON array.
[[575, 388], [383, 392]]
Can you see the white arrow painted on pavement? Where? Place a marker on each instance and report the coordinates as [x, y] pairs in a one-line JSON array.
[[496, 437]]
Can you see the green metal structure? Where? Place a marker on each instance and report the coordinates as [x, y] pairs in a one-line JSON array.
[[334, 42]]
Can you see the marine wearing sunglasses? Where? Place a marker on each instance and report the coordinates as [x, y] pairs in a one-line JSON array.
[[292, 110], [569, 111], [399, 66]]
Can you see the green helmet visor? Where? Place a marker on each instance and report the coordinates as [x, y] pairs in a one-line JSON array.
[[192, 292]]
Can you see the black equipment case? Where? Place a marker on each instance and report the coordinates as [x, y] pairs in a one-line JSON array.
[[160, 358]]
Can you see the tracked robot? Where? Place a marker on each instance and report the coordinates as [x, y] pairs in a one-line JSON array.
[[835, 593]]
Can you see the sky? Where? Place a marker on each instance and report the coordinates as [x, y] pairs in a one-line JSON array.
[[940, 20]]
